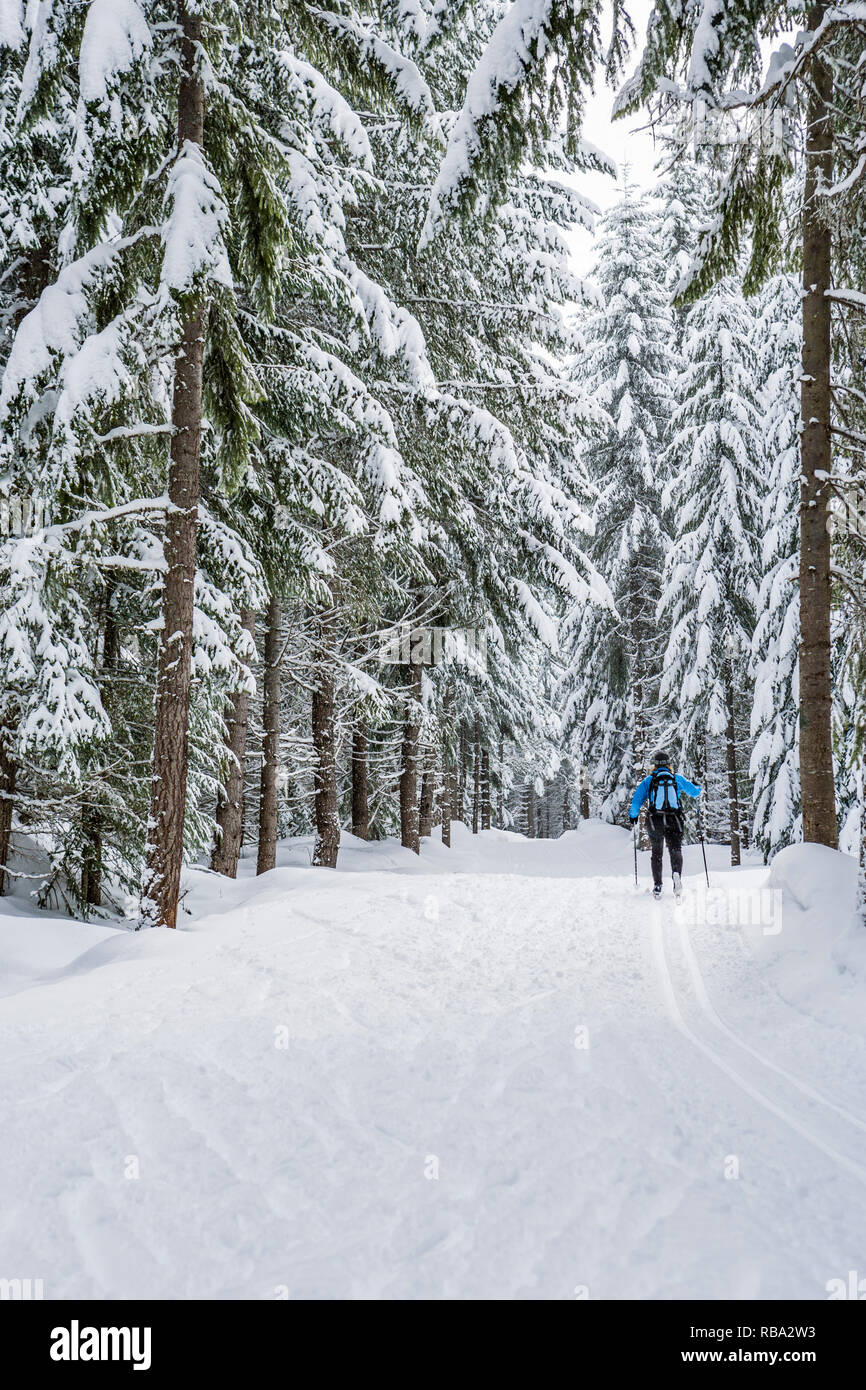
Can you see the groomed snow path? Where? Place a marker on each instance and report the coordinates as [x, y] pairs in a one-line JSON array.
[[501, 1073]]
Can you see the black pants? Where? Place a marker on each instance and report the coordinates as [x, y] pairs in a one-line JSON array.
[[665, 827]]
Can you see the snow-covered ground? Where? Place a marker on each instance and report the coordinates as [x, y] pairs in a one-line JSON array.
[[494, 1072]]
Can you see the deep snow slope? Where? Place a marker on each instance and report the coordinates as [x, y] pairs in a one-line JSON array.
[[494, 1072]]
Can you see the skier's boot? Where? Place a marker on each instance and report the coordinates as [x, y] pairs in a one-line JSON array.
[[657, 890], [678, 887]]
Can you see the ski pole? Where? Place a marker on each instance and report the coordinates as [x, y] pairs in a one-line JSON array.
[[704, 852], [634, 838]]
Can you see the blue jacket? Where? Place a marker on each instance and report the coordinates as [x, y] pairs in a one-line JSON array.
[[642, 791]]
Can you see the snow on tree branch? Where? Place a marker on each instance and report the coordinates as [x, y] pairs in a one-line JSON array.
[[116, 36]]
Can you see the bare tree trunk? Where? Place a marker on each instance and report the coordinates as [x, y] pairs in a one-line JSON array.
[[164, 849], [268, 801], [701, 764], [449, 780], [8, 772], [230, 806], [447, 795], [485, 789], [584, 794], [360, 783], [425, 808], [91, 860], [476, 777], [409, 770], [500, 799], [327, 843], [530, 810], [92, 820], [733, 781], [816, 746], [462, 757]]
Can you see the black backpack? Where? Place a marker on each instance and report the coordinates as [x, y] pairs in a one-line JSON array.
[[663, 795]]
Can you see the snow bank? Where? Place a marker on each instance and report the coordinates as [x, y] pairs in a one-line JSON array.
[[815, 878], [818, 957]]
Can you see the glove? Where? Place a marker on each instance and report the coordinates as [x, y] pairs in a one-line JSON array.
[[632, 820]]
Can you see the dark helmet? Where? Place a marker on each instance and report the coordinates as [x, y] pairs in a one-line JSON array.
[[661, 758]]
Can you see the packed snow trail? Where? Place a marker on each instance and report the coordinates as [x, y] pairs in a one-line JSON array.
[[494, 1072]]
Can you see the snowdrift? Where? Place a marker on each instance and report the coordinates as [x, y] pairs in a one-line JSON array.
[[819, 956]]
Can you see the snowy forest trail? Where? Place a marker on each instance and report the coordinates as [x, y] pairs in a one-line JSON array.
[[494, 1072]]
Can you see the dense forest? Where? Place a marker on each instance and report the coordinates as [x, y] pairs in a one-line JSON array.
[[335, 500]]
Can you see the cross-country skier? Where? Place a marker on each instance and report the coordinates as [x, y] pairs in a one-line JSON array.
[[662, 790]]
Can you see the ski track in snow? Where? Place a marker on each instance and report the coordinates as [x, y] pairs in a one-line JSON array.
[[430, 1010], [673, 1004]]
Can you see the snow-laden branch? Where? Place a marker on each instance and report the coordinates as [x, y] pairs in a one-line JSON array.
[[401, 71], [516, 45], [142, 506], [852, 299], [138, 431]]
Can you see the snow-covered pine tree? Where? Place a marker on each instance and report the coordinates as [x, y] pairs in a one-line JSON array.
[[485, 419], [610, 690], [777, 813], [539, 62], [34, 193], [683, 197], [715, 462], [808, 100], [263, 210]]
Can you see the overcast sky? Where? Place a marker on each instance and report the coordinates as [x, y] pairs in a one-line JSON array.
[[623, 140]]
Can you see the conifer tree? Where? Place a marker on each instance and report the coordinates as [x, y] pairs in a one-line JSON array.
[[715, 461], [611, 689], [774, 721]]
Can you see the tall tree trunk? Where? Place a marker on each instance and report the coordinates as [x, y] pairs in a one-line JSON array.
[[584, 794], [816, 746], [360, 782], [230, 807], [733, 780], [409, 769], [91, 861], [476, 776], [701, 765], [8, 772], [449, 779], [530, 810], [268, 803], [164, 849], [485, 788], [425, 807], [327, 843], [447, 799], [462, 758], [92, 820], [500, 796]]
